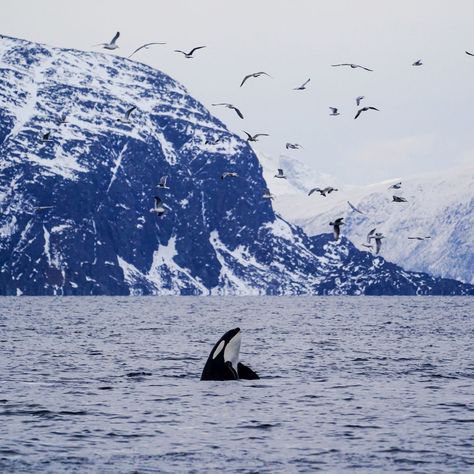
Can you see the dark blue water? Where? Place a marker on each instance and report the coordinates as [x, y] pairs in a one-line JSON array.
[[351, 384]]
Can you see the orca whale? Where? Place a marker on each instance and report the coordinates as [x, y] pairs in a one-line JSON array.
[[223, 361]]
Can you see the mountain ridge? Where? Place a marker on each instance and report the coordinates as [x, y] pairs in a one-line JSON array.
[[440, 205]]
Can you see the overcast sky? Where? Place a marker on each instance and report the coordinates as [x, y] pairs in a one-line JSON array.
[[426, 118]]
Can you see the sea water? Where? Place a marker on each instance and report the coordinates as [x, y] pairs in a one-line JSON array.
[[348, 384]]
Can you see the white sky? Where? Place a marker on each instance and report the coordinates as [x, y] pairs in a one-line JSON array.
[[426, 120]]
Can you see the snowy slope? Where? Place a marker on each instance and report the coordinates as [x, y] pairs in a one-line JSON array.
[[75, 209], [440, 205]]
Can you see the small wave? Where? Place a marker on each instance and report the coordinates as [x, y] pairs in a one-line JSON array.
[[140, 373], [363, 427], [261, 426]]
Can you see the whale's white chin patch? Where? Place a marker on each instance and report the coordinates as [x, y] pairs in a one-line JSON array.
[[218, 349], [232, 350]]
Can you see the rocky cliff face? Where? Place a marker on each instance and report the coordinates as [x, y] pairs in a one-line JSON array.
[[75, 207]]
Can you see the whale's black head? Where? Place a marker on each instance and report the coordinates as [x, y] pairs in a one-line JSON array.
[[224, 357], [223, 361]]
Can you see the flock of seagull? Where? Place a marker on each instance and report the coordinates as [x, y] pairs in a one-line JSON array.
[[159, 206]]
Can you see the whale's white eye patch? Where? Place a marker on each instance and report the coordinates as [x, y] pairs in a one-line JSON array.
[[218, 349]]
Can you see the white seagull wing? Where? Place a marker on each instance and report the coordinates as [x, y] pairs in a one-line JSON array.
[[115, 38]]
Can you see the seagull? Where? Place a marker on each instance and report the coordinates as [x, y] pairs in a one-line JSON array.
[[253, 138], [293, 146], [212, 142], [378, 241], [419, 238], [158, 207], [355, 208], [365, 109], [229, 174], [42, 208], [396, 185], [143, 46], [62, 120], [46, 136], [126, 117], [317, 190], [230, 106], [334, 111], [280, 174], [353, 66], [469, 54], [337, 227], [323, 192], [370, 234], [302, 87], [399, 199], [417, 63], [190, 54], [255, 74], [369, 246], [359, 99], [267, 194], [113, 44], [162, 183]]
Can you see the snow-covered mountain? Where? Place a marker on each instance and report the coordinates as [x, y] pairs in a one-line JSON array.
[[440, 205], [75, 208]]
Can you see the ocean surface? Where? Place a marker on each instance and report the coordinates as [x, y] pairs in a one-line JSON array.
[[348, 384]]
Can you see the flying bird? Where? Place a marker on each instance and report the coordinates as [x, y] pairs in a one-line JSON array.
[[359, 99], [396, 185], [126, 117], [293, 146], [46, 136], [302, 87], [254, 138], [369, 246], [469, 54], [229, 174], [113, 44], [323, 192], [370, 234], [162, 183], [353, 66], [267, 194], [334, 111], [280, 174], [355, 208], [378, 241], [420, 238], [336, 225], [230, 106], [42, 208], [255, 74], [210, 141], [143, 46], [417, 63], [365, 109], [62, 120], [398, 199], [158, 207], [190, 54]]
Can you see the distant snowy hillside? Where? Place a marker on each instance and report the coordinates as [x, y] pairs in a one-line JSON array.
[[75, 205], [440, 205]]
